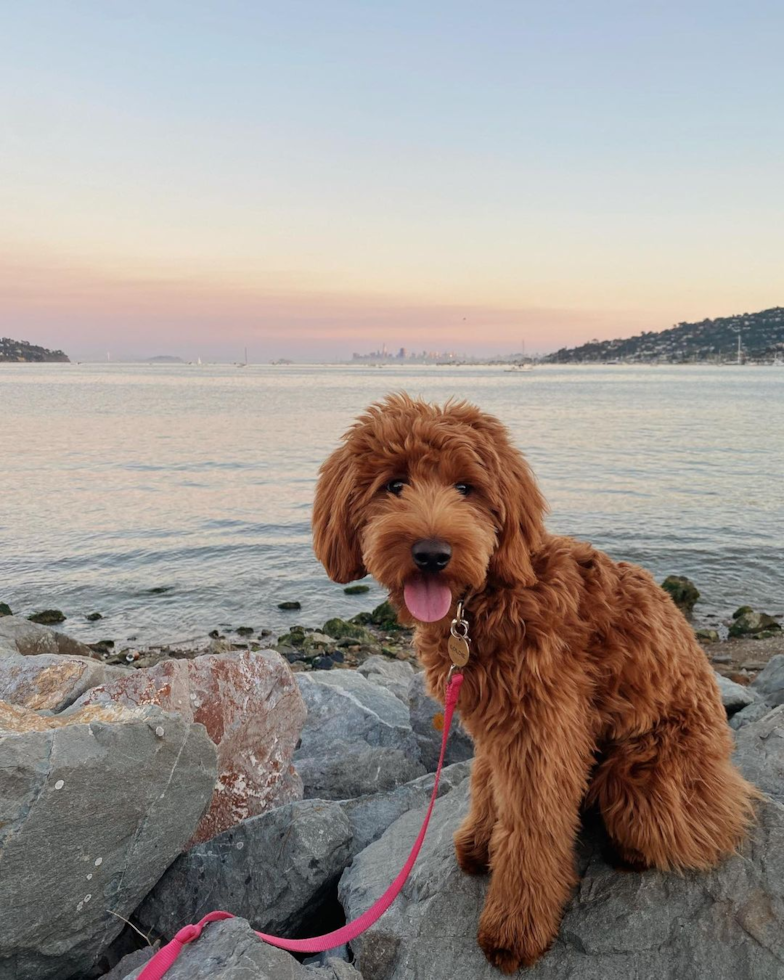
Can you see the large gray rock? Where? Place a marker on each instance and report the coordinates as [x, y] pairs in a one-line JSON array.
[[427, 720], [769, 683], [49, 682], [93, 808], [230, 950], [727, 924], [760, 753], [734, 696], [394, 675], [371, 815], [273, 869], [19, 635], [357, 738], [751, 713]]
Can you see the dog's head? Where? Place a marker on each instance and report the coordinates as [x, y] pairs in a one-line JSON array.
[[431, 501]]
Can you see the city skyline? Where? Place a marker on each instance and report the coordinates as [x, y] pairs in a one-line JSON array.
[[322, 178]]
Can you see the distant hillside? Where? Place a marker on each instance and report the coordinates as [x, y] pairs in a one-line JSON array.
[[761, 338], [23, 350]]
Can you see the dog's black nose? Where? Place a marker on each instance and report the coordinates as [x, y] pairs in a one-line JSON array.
[[431, 555]]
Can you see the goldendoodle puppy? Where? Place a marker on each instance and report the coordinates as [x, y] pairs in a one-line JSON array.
[[585, 682]]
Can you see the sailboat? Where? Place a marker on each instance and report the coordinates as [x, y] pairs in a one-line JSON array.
[[522, 364], [245, 362]]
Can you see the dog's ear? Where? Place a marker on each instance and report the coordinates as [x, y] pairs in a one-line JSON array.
[[519, 508], [335, 539]]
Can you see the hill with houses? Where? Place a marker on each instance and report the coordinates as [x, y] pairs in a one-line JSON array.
[[23, 350], [757, 337]]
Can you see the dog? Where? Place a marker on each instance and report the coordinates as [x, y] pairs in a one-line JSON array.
[[585, 687]]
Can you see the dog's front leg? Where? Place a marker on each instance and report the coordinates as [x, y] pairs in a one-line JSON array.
[[539, 784], [472, 839]]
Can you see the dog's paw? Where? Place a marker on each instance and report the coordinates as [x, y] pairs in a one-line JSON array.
[[472, 858], [509, 940]]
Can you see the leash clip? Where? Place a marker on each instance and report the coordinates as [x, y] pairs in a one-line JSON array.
[[459, 645]]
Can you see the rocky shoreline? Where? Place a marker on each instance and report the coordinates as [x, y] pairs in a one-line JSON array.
[[283, 778]]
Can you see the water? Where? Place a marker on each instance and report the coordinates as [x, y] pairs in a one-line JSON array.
[[119, 479]]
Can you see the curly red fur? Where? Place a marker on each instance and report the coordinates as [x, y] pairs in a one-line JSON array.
[[585, 682]]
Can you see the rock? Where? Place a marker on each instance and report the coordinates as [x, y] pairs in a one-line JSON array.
[[340, 629], [128, 963], [356, 589], [357, 738], [5, 609], [754, 623], [160, 589], [323, 663], [394, 675], [760, 753], [19, 635], [274, 870], [734, 696], [371, 815], [252, 710], [769, 683], [290, 605], [741, 611], [727, 924], [427, 720], [94, 806], [383, 616], [682, 591], [707, 635], [47, 617], [93, 617], [49, 682], [244, 631], [230, 950], [751, 713]]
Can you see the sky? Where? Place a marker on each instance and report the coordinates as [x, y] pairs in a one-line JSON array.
[[309, 179]]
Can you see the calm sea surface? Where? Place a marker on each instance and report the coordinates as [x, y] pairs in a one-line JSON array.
[[119, 479]]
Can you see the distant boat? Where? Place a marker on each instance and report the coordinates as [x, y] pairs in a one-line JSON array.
[[517, 368], [245, 362]]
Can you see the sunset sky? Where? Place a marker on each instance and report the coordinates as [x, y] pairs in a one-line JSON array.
[[308, 179]]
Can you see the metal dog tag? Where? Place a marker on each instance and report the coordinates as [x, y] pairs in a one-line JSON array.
[[459, 651]]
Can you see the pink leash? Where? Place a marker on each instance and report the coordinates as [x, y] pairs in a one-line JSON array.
[[160, 963]]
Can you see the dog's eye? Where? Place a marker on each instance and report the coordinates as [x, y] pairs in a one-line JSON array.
[[395, 487], [463, 488]]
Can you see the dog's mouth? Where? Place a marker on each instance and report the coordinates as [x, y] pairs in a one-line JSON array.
[[427, 597]]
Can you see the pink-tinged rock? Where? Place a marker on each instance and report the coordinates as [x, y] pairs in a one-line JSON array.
[[47, 682], [253, 711]]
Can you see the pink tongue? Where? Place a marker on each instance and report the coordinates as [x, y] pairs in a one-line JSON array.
[[427, 597]]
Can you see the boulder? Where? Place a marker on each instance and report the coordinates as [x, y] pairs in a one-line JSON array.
[[706, 635], [252, 710], [727, 924], [427, 720], [751, 713], [754, 624], [760, 753], [48, 617], [734, 696], [94, 806], [371, 815], [394, 675], [49, 682], [5, 609], [683, 592], [769, 683], [230, 950], [383, 616], [357, 738], [274, 869], [340, 629], [19, 635], [138, 957]]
